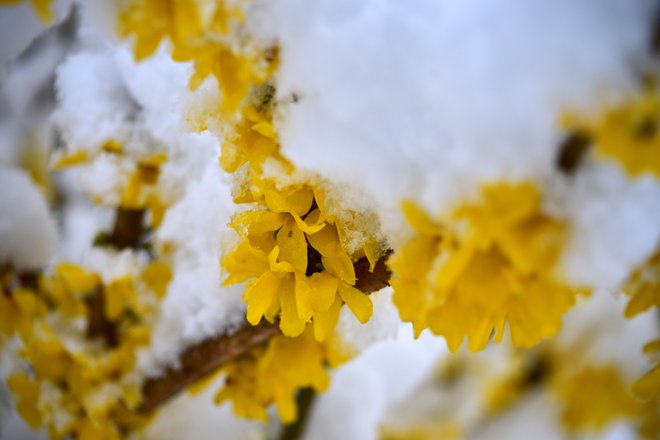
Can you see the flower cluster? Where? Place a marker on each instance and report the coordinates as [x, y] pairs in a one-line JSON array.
[[293, 254], [203, 36], [493, 267], [271, 375], [627, 133], [79, 342]]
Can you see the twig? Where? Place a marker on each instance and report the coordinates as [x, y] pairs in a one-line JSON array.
[[203, 359], [126, 233], [207, 356]]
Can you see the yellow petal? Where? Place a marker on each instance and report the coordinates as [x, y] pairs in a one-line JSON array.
[[9, 315], [157, 209], [112, 146], [326, 241], [297, 200], [117, 294], [290, 323], [340, 266], [286, 408], [418, 219], [44, 11], [300, 201], [157, 276], [264, 242], [647, 296], [319, 197], [323, 290], [265, 129], [325, 322], [132, 196], [303, 297], [278, 266], [453, 267], [307, 228], [243, 263], [648, 386], [534, 244], [359, 303], [256, 222], [76, 278], [652, 348], [259, 295], [68, 160], [370, 249], [293, 246], [28, 396]]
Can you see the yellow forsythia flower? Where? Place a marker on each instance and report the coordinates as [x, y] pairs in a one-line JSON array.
[[593, 397], [274, 375], [628, 133], [27, 393], [493, 268], [643, 287], [198, 35], [274, 255]]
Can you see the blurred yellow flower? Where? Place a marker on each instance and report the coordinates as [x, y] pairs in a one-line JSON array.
[[494, 267]]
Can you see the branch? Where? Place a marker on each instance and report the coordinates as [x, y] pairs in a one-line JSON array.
[[202, 359], [127, 232], [207, 356]]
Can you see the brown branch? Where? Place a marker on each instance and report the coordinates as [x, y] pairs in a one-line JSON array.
[[98, 325], [202, 359], [207, 356], [572, 151], [128, 229], [126, 233]]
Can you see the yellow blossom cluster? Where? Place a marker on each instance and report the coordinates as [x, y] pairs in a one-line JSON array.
[[595, 396], [79, 339], [590, 396], [492, 267], [292, 251], [488, 264], [627, 133], [140, 190], [202, 35], [274, 251], [298, 268], [272, 374]]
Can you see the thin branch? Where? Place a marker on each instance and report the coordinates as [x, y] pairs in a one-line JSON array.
[[127, 232], [207, 356], [203, 359]]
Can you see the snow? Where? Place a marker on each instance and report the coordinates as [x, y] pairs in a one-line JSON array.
[[615, 224], [197, 417], [427, 100], [596, 333], [384, 324], [197, 305], [28, 235], [94, 105], [362, 389]]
